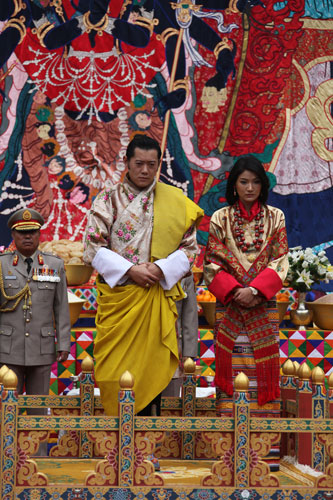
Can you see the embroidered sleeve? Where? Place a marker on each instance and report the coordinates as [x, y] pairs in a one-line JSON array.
[[189, 244], [214, 255], [100, 219], [216, 270], [270, 280]]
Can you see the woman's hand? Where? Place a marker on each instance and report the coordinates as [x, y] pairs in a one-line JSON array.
[[245, 298]]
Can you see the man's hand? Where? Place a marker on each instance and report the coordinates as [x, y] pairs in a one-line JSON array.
[[62, 356], [144, 275], [245, 298], [157, 271]]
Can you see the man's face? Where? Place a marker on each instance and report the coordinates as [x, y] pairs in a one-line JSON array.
[[26, 241], [142, 167]]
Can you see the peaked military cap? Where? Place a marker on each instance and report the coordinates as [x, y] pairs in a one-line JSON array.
[[25, 219]]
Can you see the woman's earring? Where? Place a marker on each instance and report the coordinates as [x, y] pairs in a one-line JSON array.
[[235, 193]]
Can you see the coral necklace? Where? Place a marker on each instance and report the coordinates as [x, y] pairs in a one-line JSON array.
[[238, 230]]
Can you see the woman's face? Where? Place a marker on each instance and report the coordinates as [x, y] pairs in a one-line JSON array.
[[248, 187], [212, 99]]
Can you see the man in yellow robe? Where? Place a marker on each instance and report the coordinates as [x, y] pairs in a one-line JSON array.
[[141, 238]]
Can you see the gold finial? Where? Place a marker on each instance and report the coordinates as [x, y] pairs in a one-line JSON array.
[[10, 380], [3, 370], [304, 372], [189, 365], [318, 376], [330, 381], [241, 383], [198, 370], [296, 365], [288, 368], [87, 364], [126, 381]]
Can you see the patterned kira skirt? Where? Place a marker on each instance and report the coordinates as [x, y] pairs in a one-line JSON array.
[[243, 361]]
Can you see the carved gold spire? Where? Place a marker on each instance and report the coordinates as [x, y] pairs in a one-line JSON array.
[[87, 364], [10, 380], [296, 365], [241, 383], [304, 372], [288, 368], [126, 381], [189, 365], [318, 376], [3, 370], [330, 381]]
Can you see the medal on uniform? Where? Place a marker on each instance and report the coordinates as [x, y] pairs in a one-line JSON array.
[[46, 274]]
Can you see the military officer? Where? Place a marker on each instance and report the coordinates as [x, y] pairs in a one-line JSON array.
[[34, 311]]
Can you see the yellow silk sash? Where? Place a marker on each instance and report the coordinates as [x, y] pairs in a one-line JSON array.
[[135, 332], [174, 214]]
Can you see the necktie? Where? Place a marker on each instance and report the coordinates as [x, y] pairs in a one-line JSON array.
[[28, 262]]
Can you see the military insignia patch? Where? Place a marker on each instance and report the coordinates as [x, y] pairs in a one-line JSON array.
[[26, 215]]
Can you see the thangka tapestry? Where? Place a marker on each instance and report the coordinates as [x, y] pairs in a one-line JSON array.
[[210, 80]]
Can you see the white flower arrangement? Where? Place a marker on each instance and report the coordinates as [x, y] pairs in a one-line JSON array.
[[307, 267]]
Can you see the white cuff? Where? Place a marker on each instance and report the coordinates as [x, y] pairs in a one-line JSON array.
[[174, 267], [110, 265]]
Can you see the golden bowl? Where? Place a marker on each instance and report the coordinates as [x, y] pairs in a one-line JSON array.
[[209, 309], [77, 274], [322, 314], [75, 307], [282, 307], [301, 317]]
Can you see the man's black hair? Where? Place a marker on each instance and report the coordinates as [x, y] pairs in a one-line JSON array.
[[143, 142]]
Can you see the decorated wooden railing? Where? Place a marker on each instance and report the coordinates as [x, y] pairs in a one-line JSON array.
[[304, 396], [125, 441]]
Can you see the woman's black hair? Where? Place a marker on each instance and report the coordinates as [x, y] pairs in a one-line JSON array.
[[217, 81], [252, 164]]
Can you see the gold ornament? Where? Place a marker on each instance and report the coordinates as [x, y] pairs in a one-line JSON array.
[[19, 5], [42, 31], [99, 27], [146, 23], [19, 25], [223, 44]]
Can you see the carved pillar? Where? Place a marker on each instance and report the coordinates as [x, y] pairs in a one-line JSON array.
[[288, 391], [189, 385], [242, 431], [87, 404], [9, 412], [126, 431], [318, 411], [3, 371], [304, 410]]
